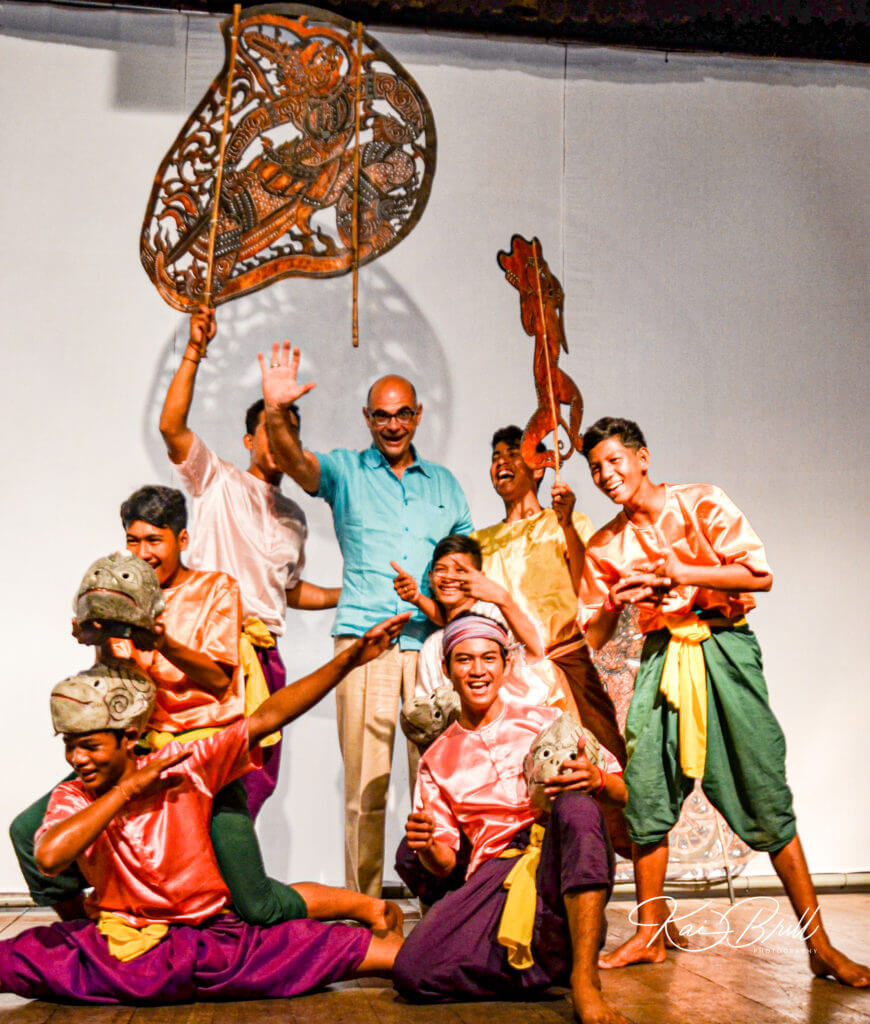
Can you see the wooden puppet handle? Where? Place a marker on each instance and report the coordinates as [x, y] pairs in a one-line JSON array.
[[219, 176], [546, 347], [355, 219]]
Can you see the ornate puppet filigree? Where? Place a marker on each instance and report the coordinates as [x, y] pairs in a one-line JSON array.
[[288, 203], [541, 303]]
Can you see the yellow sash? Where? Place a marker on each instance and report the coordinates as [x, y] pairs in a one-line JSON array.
[[158, 740], [684, 685], [125, 940], [255, 634], [518, 915]]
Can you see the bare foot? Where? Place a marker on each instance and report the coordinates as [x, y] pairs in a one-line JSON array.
[[590, 1007], [675, 938], [387, 917], [831, 963], [635, 951]]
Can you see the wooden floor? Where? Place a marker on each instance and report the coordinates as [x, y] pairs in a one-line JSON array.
[[767, 982]]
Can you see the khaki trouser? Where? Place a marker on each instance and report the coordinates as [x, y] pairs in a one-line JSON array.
[[367, 704]]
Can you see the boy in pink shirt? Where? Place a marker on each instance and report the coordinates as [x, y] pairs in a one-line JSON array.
[[471, 791]]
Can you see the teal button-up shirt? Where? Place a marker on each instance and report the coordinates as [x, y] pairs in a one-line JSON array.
[[381, 519]]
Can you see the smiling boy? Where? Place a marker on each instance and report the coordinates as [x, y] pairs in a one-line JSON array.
[[195, 667], [195, 664], [458, 586], [537, 555], [471, 788], [690, 561], [139, 830]]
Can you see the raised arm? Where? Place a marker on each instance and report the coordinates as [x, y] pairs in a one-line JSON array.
[[293, 700], [177, 436], [280, 391], [575, 550], [406, 587]]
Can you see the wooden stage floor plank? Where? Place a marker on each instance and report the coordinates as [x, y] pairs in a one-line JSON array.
[[766, 982]]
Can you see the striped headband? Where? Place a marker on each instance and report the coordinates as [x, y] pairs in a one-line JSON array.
[[472, 627]]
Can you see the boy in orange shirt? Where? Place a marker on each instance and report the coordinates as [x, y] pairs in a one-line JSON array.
[[195, 667]]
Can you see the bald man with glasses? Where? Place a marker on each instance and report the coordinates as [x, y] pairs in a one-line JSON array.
[[388, 505]]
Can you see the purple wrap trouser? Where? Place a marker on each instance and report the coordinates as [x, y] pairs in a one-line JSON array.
[[221, 959], [453, 953]]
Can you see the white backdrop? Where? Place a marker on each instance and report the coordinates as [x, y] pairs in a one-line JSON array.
[[709, 220]]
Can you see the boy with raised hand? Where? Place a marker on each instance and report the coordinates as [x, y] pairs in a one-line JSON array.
[[690, 561], [476, 942], [458, 586], [138, 829], [537, 555], [245, 526]]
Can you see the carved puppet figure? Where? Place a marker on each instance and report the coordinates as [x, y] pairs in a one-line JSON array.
[[109, 695], [423, 719], [553, 745], [309, 96], [118, 596], [541, 304]]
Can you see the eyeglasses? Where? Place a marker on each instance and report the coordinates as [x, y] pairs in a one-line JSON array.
[[381, 417]]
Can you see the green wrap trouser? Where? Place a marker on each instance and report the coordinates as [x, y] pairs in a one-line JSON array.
[[256, 898], [744, 774]]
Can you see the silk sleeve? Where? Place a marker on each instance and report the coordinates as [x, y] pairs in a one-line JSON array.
[[221, 630], [594, 587], [198, 469], [220, 759], [65, 801], [446, 826], [583, 526], [729, 533]]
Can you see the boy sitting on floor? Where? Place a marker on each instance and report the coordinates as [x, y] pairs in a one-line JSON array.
[[471, 785], [140, 835]]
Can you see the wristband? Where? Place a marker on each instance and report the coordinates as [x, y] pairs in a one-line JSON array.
[[600, 789]]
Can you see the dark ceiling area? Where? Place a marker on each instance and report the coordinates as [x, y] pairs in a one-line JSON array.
[[790, 28]]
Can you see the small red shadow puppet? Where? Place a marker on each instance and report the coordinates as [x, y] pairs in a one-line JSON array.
[[541, 302]]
